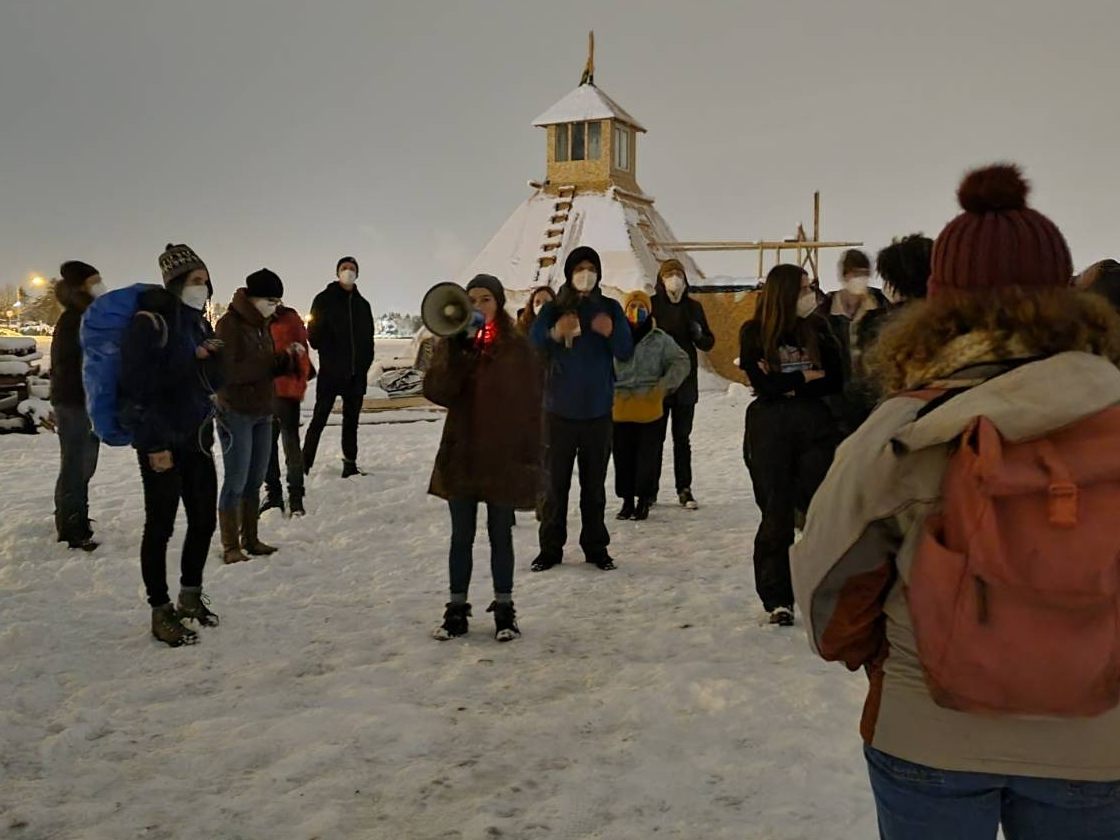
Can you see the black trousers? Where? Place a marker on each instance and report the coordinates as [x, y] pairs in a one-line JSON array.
[[788, 448], [194, 480], [327, 390], [588, 443], [636, 459], [285, 427], [80, 448], [679, 416]]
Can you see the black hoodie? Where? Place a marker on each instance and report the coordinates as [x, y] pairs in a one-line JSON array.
[[66, 351], [341, 329], [677, 319]]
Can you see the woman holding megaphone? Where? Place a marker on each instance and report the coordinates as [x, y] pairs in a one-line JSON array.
[[485, 373]]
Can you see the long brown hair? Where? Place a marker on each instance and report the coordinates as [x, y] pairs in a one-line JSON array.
[[777, 314], [529, 313]]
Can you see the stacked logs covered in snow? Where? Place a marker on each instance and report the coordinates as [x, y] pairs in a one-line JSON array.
[[24, 394]]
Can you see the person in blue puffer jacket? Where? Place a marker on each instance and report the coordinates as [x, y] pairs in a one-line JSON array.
[[169, 374], [580, 334]]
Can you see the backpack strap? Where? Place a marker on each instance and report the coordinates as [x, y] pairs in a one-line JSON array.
[[159, 324]]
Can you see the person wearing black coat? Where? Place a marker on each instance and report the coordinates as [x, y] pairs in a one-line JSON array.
[[684, 320], [80, 283], [793, 362], [341, 330]]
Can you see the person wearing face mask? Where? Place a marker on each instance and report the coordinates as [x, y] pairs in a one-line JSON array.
[[525, 318], [288, 329], [580, 334], [169, 371], [683, 319], [80, 283], [793, 363], [489, 381], [643, 384], [250, 363], [341, 329]]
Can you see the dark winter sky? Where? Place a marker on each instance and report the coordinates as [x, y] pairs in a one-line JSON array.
[[288, 132]]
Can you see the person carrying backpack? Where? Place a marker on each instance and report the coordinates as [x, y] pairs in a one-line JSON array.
[[169, 373], [963, 550]]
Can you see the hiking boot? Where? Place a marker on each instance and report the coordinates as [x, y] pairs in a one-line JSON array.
[[687, 500], [604, 562], [455, 622], [167, 627], [641, 512], [627, 511], [229, 525], [86, 544], [350, 468], [505, 621], [543, 563], [295, 499], [782, 616], [250, 517], [272, 501], [193, 604]]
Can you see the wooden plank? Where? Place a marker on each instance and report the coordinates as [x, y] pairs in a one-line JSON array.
[[375, 404]]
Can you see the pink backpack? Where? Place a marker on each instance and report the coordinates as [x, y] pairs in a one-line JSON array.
[[1015, 587]]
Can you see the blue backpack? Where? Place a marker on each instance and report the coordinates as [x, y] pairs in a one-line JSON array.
[[103, 330]]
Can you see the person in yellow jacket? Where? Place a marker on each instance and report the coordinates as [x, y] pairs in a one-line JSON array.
[[656, 370]]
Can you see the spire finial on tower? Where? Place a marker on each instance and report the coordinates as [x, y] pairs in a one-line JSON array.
[[588, 77]]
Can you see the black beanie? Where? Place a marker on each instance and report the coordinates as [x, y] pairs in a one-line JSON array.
[[491, 284], [339, 264], [579, 255], [264, 284], [76, 272]]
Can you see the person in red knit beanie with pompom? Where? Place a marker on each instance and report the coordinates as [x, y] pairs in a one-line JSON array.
[[963, 551]]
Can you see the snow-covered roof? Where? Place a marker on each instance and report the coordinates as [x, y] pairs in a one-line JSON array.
[[614, 224], [586, 102]]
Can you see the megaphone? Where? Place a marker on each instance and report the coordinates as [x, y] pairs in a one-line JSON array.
[[447, 310]]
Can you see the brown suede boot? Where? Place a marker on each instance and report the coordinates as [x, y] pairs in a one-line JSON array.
[[229, 525], [250, 541]]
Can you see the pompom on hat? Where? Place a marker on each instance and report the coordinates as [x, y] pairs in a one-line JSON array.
[[998, 241]]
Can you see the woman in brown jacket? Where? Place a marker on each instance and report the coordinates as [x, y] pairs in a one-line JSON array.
[[490, 383], [540, 296], [249, 364]]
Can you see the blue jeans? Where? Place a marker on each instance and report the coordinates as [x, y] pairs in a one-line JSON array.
[[80, 448], [246, 447], [499, 525], [915, 802]]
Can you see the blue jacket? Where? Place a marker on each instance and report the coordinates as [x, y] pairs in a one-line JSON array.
[[580, 383], [166, 390]]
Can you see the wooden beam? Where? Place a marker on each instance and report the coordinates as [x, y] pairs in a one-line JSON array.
[[771, 245]]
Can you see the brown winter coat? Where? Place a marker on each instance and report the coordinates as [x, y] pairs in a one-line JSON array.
[[490, 451], [249, 359], [852, 568]]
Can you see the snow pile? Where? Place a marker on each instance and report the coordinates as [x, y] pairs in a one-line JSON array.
[[38, 411], [646, 702], [12, 346]]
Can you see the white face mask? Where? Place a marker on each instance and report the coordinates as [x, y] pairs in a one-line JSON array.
[[195, 297], [585, 280], [265, 306], [806, 304], [97, 289], [857, 284], [674, 287], [348, 277]]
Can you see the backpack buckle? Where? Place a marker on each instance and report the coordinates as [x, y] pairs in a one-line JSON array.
[[1063, 504]]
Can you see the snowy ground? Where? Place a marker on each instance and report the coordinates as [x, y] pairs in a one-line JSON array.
[[645, 702]]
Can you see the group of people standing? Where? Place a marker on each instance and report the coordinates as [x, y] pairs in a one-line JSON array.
[[179, 378], [576, 377]]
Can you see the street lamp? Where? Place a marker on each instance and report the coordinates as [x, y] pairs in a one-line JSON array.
[[38, 280]]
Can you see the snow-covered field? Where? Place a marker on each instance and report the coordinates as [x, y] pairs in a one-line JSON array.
[[645, 702]]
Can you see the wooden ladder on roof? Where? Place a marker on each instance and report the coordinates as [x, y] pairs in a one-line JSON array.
[[554, 233]]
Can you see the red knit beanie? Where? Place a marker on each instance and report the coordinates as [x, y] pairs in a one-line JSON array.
[[998, 241]]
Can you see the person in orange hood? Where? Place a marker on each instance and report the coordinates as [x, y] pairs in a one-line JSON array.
[[288, 329]]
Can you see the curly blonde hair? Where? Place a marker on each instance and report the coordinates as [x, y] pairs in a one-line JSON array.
[[943, 334]]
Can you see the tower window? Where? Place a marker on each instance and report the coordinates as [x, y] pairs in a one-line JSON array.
[[622, 148], [579, 141]]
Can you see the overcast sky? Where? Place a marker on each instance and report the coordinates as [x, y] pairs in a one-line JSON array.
[[287, 133]]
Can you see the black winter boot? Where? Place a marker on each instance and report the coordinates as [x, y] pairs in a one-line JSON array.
[[455, 622], [505, 621], [641, 512], [295, 499], [273, 500], [627, 511]]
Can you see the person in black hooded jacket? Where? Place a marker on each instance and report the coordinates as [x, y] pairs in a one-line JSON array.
[[79, 285], [341, 329], [683, 318]]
